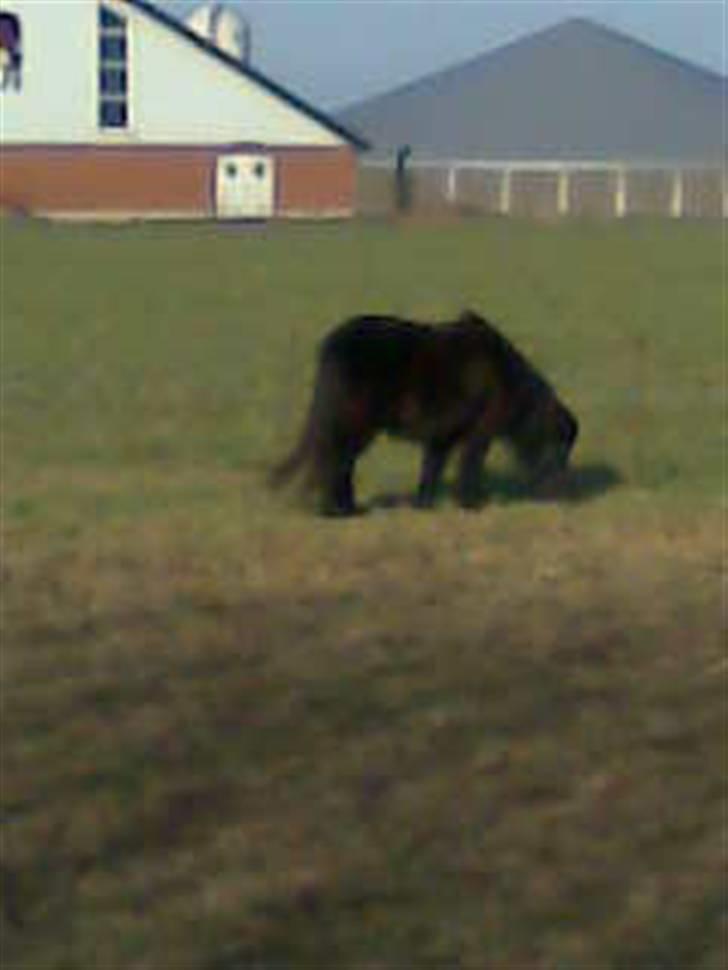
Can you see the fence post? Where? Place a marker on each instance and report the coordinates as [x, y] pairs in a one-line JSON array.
[[620, 194], [562, 190], [678, 195], [451, 188], [505, 192]]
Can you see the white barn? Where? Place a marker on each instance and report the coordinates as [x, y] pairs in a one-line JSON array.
[[112, 108]]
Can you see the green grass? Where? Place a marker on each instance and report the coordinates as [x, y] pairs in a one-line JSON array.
[[235, 735]]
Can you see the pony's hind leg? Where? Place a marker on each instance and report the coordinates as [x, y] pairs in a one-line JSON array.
[[337, 478]]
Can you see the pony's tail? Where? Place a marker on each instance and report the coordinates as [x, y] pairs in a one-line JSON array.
[[284, 470], [308, 451]]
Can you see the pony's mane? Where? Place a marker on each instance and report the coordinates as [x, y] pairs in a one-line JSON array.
[[517, 369]]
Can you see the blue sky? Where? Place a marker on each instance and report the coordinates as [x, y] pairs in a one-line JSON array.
[[335, 52]]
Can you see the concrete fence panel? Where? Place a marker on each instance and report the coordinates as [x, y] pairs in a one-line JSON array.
[[649, 192], [478, 191], [705, 195], [375, 191], [593, 194], [534, 195], [429, 190]]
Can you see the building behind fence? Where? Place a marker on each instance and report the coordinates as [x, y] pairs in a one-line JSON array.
[[545, 189]]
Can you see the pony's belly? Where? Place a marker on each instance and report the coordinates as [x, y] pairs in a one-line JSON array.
[[413, 422]]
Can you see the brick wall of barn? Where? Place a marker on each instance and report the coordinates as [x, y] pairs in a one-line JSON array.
[[120, 182], [316, 180]]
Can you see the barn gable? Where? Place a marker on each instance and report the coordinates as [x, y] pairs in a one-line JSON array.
[[217, 95]]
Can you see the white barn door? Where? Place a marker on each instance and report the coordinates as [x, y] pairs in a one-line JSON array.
[[245, 187]]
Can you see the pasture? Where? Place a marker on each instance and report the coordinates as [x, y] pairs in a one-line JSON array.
[[235, 735]]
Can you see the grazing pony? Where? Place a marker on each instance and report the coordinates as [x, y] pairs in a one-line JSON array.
[[454, 385]]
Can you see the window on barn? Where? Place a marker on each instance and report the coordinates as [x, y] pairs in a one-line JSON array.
[[11, 52], [113, 70]]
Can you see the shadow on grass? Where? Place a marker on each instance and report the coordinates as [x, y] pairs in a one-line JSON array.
[[580, 484]]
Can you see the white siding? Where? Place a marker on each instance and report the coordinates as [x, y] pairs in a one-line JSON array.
[[57, 100], [179, 94]]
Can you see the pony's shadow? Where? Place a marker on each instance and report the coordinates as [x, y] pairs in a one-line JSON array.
[[580, 483]]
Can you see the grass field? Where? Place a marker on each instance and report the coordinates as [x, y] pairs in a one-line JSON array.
[[235, 735]]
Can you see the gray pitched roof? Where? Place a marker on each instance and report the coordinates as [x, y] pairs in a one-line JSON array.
[[574, 91]]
